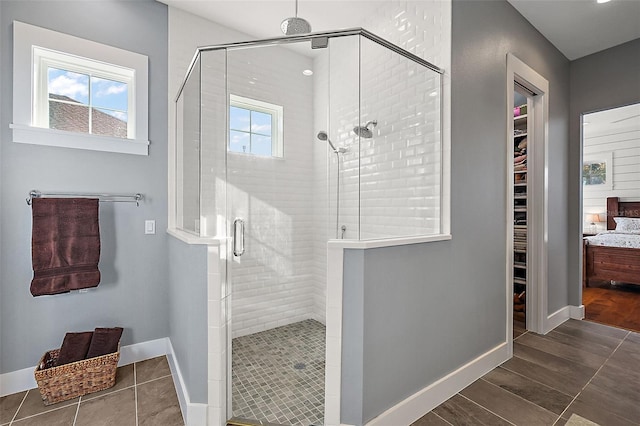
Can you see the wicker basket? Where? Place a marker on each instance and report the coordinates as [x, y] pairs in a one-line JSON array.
[[72, 380]]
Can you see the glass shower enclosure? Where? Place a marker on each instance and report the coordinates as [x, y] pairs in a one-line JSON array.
[[284, 144]]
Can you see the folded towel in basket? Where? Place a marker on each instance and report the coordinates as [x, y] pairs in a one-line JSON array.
[[65, 245], [74, 347], [104, 341]]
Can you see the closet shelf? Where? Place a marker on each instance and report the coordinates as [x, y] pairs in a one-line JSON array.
[[520, 201]]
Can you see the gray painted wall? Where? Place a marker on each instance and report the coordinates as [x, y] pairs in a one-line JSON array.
[[604, 80], [188, 314], [134, 288], [351, 408], [430, 308]]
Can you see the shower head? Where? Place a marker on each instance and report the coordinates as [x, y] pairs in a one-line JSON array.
[[364, 131], [322, 135], [295, 25]]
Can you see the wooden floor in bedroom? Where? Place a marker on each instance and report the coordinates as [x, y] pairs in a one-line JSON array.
[[616, 305]]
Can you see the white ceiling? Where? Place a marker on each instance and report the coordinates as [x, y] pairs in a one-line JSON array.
[[262, 18], [576, 27], [581, 27]]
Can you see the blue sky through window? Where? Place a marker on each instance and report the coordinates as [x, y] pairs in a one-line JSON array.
[[70, 84], [250, 131], [111, 97]]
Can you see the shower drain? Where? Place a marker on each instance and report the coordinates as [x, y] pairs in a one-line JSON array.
[[299, 365]]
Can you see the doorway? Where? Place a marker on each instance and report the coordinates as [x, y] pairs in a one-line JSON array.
[[610, 170], [527, 209], [521, 105]]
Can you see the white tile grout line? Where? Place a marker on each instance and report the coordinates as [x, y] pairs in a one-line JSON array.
[[444, 420], [19, 407], [516, 338], [134, 386], [42, 413], [75, 418], [135, 389], [154, 379], [592, 377], [516, 395], [485, 408], [532, 379]]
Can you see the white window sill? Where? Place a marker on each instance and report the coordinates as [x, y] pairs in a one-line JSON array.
[[387, 242], [64, 139]]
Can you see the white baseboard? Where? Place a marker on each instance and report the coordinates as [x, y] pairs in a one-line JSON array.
[[576, 312], [194, 414], [143, 350], [562, 315], [181, 389], [22, 380], [17, 381], [414, 407]]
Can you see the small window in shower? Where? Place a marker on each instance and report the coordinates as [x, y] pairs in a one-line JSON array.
[[255, 127]]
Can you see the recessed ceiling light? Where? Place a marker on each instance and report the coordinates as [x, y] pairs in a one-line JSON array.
[[603, 1], [307, 72]]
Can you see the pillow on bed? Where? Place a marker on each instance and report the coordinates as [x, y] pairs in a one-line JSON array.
[[624, 224]]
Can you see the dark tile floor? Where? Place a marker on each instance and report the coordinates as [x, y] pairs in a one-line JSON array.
[[144, 394], [278, 375], [581, 370]]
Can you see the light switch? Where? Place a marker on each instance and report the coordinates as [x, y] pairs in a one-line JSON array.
[[149, 226]]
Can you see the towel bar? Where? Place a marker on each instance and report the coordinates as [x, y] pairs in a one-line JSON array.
[[115, 198]]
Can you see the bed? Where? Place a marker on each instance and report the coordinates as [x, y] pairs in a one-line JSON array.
[[613, 263]]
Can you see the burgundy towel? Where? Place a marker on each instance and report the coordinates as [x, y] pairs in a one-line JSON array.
[[74, 347], [65, 245], [104, 341]]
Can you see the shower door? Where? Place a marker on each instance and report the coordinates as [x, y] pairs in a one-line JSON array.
[[276, 203]]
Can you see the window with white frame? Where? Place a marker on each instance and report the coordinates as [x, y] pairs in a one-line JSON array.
[[255, 127], [77, 93], [82, 95]]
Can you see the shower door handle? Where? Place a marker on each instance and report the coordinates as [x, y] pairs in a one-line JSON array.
[[238, 237]]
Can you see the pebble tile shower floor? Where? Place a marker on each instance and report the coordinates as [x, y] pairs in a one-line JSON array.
[[278, 374]]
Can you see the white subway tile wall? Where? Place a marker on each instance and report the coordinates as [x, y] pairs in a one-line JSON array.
[[323, 218], [389, 184], [273, 281], [400, 165], [187, 155]]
